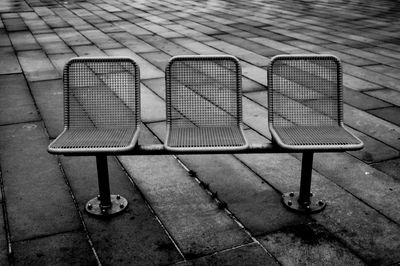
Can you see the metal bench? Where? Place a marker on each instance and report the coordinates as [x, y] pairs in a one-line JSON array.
[[204, 115], [101, 117], [204, 104], [306, 114]]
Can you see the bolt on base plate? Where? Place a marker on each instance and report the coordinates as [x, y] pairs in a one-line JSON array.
[[118, 205], [290, 200]]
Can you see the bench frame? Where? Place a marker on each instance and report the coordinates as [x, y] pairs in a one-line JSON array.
[[105, 204]]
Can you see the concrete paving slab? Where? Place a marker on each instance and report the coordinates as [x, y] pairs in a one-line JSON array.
[[391, 114], [48, 97], [372, 56], [132, 28], [4, 39], [387, 95], [165, 45], [159, 30], [38, 199], [257, 205], [59, 61], [100, 39], [255, 116], [243, 54], [73, 20], [29, 61], [8, 61], [158, 59], [16, 102], [284, 48], [70, 248], [186, 210], [350, 220], [362, 101], [195, 35], [389, 167], [374, 150], [23, 40], [34, 23], [3, 239], [153, 107], [55, 21], [52, 44], [106, 15], [369, 185], [308, 244], [251, 254], [387, 70], [358, 84], [372, 126], [132, 42], [108, 27], [372, 76], [14, 24], [14, 6], [147, 70], [134, 236], [43, 11], [196, 46], [88, 50], [249, 45]]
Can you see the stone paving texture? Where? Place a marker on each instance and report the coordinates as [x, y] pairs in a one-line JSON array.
[[198, 209]]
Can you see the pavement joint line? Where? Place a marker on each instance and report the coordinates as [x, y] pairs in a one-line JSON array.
[[152, 211], [218, 202], [23, 122], [46, 235], [225, 208], [6, 220], [84, 227], [324, 176]]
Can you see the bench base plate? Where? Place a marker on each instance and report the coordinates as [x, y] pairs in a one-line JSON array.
[[118, 205], [290, 201]]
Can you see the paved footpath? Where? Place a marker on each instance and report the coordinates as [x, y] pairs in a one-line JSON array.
[[177, 213]]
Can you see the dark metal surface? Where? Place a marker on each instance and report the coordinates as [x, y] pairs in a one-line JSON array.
[[105, 204], [304, 201], [159, 149], [117, 205], [290, 201]]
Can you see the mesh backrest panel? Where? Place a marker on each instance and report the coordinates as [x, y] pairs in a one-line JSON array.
[[101, 93], [203, 92], [305, 91]]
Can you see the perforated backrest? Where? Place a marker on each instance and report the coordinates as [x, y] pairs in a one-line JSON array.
[[305, 90], [101, 93], [203, 91]]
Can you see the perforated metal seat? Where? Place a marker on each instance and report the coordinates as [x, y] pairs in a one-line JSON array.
[[306, 105], [204, 105], [101, 106]]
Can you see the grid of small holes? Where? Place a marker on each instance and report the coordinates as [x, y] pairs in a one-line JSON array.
[[328, 135], [100, 94], [305, 92], [206, 137], [204, 93]]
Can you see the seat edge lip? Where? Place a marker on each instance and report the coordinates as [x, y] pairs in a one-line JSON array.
[[204, 149], [88, 151], [326, 148]]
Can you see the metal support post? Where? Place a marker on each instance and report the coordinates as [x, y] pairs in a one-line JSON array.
[[304, 201], [105, 204]]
